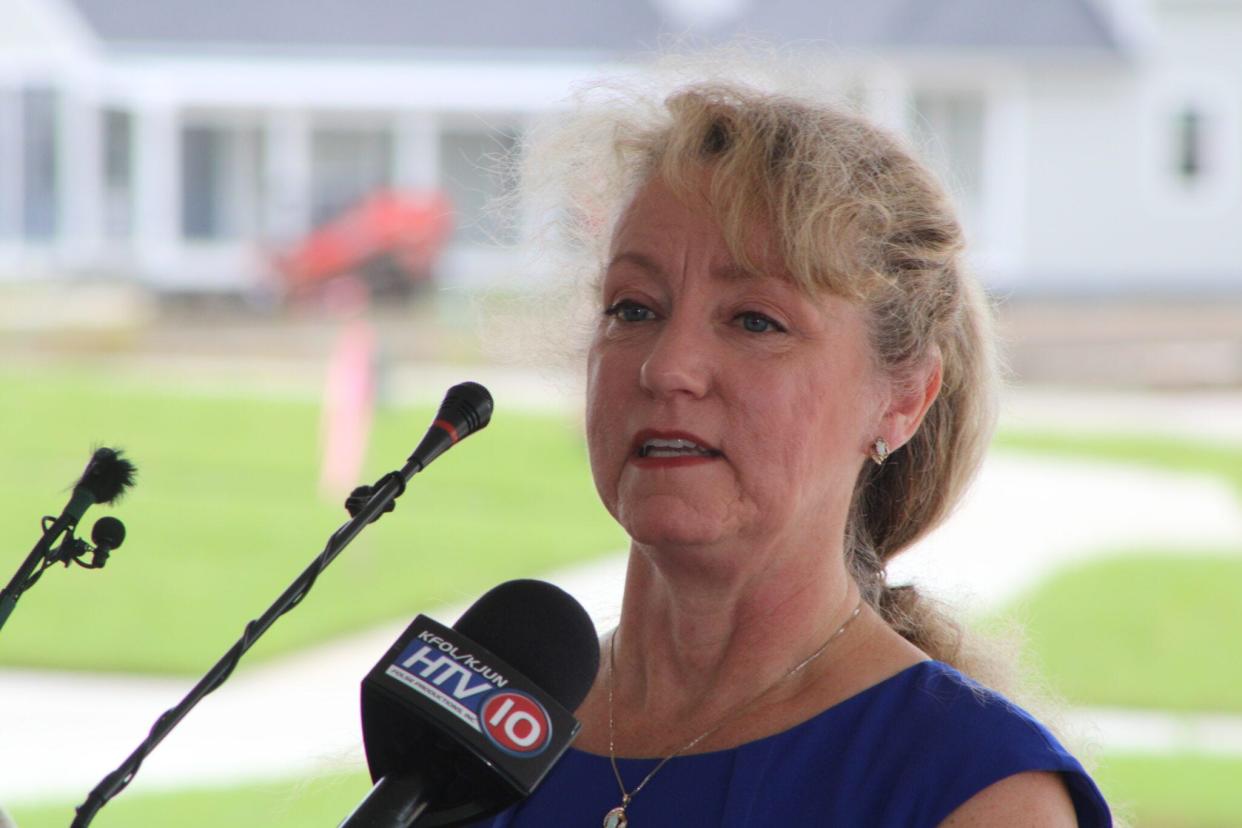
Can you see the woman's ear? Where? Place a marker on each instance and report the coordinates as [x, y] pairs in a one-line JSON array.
[[910, 400]]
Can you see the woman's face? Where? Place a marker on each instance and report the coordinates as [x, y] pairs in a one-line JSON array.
[[722, 406]]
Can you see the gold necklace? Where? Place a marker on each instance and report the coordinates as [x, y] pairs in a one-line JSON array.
[[616, 818]]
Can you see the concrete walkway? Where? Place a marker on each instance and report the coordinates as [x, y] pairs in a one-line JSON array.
[[1025, 517]]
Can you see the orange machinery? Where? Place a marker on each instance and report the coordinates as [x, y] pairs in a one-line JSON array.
[[391, 239]]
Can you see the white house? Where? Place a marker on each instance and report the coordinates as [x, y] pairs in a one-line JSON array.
[[1092, 148]]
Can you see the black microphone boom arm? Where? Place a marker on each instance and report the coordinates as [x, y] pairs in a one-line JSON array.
[[386, 490]]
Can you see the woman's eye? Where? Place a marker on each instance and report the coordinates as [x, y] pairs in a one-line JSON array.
[[755, 322], [630, 311]]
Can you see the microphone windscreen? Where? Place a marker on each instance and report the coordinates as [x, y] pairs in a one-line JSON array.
[[107, 475], [109, 532], [541, 631]]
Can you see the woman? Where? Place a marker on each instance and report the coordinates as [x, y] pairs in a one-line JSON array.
[[790, 381]]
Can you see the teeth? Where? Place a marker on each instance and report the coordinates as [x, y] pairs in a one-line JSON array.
[[676, 443], [672, 448]]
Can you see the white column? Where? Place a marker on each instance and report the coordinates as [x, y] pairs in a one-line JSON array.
[[1003, 189], [287, 190], [80, 159], [10, 170], [417, 147], [157, 188]]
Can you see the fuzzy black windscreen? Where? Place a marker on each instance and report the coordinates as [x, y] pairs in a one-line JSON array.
[[107, 475]]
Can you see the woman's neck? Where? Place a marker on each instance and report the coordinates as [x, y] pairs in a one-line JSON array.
[[695, 643]]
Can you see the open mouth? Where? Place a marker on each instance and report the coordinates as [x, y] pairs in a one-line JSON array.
[[669, 447]]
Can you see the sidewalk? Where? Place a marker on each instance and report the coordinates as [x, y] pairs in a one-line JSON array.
[[1205, 415], [299, 715]]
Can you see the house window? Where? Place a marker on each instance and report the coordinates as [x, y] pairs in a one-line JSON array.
[[202, 178], [10, 163], [221, 182], [118, 164], [40, 165], [469, 176], [1188, 142], [949, 128], [346, 166], [1194, 145]]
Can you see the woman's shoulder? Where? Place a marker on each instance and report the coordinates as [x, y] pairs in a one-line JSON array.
[[930, 714], [942, 738], [944, 711], [934, 698]]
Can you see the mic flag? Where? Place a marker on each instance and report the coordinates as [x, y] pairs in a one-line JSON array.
[[469, 731]]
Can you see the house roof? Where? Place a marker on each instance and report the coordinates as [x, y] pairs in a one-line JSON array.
[[408, 25], [1019, 25], [615, 27]]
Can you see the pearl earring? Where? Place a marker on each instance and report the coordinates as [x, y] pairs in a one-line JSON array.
[[879, 451]]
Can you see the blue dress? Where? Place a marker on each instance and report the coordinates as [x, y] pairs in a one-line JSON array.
[[906, 752]]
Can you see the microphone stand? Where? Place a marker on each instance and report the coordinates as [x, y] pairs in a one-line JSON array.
[[386, 490], [26, 575]]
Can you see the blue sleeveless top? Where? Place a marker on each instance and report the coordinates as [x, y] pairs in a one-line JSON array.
[[906, 752]]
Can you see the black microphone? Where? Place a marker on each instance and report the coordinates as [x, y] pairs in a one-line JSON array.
[[467, 408], [459, 724], [106, 477], [107, 534]]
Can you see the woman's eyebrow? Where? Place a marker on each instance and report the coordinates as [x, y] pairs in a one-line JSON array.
[[726, 272], [639, 260]]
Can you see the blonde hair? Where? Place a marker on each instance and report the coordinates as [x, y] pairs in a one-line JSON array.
[[852, 213]]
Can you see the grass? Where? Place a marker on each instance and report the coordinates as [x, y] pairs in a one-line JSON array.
[[1142, 628], [1188, 791], [308, 801], [1139, 630], [225, 514], [1199, 456]]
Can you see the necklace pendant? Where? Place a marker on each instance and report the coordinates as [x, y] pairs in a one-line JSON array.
[[616, 818]]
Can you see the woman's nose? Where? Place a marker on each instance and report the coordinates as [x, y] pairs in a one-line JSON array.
[[679, 361]]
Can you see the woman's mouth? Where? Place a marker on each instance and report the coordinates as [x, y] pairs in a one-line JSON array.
[[676, 447], [663, 448]]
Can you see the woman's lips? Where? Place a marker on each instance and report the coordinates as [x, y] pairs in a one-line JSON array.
[[661, 448]]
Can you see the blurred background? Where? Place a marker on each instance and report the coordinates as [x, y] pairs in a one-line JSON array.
[[250, 242]]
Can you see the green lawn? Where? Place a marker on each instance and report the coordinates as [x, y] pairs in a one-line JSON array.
[[1141, 629], [226, 512], [304, 803], [1150, 791], [1144, 627], [1173, 791]]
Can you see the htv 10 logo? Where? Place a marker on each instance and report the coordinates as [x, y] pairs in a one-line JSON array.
[[516, 723], [475, 693]]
